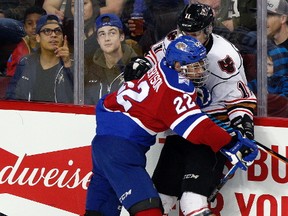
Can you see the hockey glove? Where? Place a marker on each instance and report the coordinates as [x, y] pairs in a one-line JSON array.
[[204, 98], [136, 68], [245, 125], [240, 151]]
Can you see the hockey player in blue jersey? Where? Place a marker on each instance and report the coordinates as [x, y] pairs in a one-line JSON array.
[[127, 124]]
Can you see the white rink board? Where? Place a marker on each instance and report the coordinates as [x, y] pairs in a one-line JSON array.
[[28, 135]]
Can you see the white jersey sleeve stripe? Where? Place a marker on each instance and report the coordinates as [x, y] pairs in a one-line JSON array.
[[151, 60], [180, 119], [192, 126]]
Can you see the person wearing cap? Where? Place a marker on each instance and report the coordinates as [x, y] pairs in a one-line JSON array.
[[45, 75], [277, 23], [105, 75]]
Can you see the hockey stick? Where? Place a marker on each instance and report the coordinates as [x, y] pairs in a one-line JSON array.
[[223, 181], [272, 152], [263, 147]]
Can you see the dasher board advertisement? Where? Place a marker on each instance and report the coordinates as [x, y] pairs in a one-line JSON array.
[[45, 165]]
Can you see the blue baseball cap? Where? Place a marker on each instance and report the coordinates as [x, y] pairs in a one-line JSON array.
[[47, 19], [108, 20]]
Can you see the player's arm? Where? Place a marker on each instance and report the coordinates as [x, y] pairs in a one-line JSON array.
[[241, 110], [240, 103], [187, 120], [240, 150]]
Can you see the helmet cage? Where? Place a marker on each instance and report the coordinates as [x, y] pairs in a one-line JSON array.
[[197, 72]]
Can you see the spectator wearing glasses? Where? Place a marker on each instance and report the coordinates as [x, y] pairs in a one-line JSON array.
[[45, 75]]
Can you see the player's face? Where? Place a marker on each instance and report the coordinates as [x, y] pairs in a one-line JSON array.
[[30, 25], [88, 9], [197, 72], [109, 39], [199, 35], [274, 23], [270, 69], [50, 37]]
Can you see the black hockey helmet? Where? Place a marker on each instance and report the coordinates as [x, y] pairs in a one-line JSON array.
[[195, 17]]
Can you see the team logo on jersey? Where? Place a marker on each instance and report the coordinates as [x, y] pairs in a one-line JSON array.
[[172, 36], [183, 79], [227, 64]]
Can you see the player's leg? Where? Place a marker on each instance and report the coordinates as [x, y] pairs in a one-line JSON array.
[[101, 199], [168, 174], [202, 168], [124, 163], [92, 213], [193, 204]]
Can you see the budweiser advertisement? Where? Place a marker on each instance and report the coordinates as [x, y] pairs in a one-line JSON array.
[[45, 164]]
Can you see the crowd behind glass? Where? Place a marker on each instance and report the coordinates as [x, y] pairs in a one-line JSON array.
[[236, 20]]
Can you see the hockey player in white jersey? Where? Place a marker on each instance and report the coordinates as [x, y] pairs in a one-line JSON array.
[[232, 102]]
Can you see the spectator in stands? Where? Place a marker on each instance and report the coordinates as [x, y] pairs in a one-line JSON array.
[[110, 59], [232, 13], [11, 27], [236, 14], [106, 6], [45, 75], [277, 22], [214, 4], [28, 43], [11, 15], [91, 12], [14, 9], [54, 7], [233, 20], [160, 17], [277, 71]]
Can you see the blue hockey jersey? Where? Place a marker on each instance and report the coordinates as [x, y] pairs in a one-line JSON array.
[[160, 100]]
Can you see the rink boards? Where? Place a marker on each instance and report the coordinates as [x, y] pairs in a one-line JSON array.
[[45, 164]]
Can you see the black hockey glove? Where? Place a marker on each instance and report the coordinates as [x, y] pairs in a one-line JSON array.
[[245, 125], [240, 151], [136, 68]]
